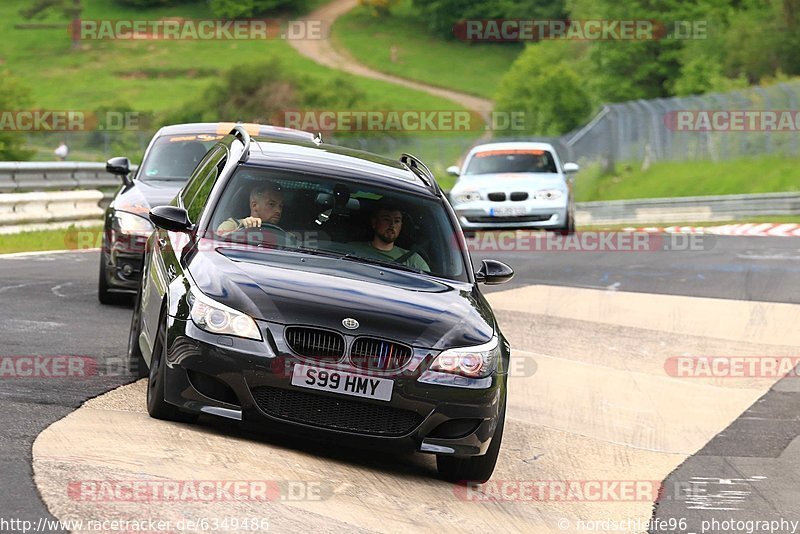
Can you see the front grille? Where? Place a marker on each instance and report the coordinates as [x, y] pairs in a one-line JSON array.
[[519, 195], [335, 413], [497, 197], [518, 218], [315, 343], [379, 355]]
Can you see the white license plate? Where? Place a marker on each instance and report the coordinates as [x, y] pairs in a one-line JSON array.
[[340, 382], [508, 212]]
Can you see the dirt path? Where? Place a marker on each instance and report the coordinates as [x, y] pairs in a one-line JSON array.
[[323, 52]]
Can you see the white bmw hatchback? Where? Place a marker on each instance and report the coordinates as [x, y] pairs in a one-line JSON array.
[[514, 185]]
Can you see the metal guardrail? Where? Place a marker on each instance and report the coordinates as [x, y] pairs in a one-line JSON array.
[[687, 209], [17, 177], [52, 201]]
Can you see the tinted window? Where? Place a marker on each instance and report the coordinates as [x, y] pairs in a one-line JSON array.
[[174, 157], [196, 192], [337, 218], [512, 160]]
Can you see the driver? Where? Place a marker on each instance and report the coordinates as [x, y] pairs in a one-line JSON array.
[[266, 206]]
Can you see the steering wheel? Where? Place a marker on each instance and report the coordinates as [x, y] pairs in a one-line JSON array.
[[267, 233]]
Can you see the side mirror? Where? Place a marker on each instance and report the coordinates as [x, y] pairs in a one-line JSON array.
[[493, 272], [571, 168], [453, 170], [121, 166], [171, 218]]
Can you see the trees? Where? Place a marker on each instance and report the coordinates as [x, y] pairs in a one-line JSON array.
[[546, 89]]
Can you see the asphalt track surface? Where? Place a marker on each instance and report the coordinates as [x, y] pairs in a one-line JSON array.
[[49, 307]]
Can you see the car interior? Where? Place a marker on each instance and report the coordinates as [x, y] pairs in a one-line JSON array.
[[331, 216]]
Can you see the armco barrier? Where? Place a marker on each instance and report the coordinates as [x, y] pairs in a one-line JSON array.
[[17, 177], [53, 206], [687, 209]]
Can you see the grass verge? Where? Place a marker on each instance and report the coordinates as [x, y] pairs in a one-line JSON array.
[[401, 45], [41, 240], [768, 174]]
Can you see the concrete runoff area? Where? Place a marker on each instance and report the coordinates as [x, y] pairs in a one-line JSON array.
[[591, 405]]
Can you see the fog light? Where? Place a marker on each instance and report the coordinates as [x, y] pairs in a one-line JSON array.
[[127, 269]]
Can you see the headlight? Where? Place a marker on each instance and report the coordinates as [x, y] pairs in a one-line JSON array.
[[217, 318], [549, 194], [474, 362], [133, 224], [466, 196]]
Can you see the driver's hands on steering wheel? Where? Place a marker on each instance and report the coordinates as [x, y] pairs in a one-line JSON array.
[[250, 222]]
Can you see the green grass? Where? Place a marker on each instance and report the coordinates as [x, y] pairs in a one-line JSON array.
[[474, 68], [160, 76], [66, 238], [766, 174], [140, 74]]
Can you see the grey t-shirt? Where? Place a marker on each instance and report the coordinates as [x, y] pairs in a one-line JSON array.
[[368, 251]]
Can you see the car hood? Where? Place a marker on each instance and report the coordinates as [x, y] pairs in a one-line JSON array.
[[295, 289], [142, 196], [516, 181]]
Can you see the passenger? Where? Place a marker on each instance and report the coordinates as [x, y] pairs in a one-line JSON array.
[[266, 206], [387, 222]]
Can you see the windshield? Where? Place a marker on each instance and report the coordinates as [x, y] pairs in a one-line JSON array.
[[342, 220], [174, 157], [514, 160]]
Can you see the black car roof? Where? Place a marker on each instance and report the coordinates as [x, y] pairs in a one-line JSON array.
[[223, 128], [333, 160]]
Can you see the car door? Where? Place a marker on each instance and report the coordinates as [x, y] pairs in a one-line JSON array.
[[166, 248]]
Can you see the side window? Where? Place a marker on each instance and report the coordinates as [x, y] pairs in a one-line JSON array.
[[196, 193]]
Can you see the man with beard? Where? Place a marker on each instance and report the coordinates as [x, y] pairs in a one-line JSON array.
[[387, 222]]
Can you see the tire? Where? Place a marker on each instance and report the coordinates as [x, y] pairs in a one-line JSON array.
[[136, 364], [157, 407], [477, 469], [569, 226]]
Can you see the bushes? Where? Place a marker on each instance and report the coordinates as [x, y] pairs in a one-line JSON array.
[[263, 92], [13, 97]]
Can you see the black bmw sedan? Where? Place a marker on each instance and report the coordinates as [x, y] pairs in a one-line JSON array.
[[300, 285], [171, 156]]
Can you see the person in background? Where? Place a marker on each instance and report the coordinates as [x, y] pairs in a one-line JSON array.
[[62, 151]]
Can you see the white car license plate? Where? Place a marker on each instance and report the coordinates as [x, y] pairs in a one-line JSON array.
[[508, 212], [341, 382]]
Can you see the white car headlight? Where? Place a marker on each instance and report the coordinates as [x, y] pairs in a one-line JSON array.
[[474, 362], [133, 224], [549, 194], [217, 318], [466, 196]]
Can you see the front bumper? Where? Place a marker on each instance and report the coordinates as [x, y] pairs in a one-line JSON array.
[[123, 260], [509, 215], [251, 381]]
